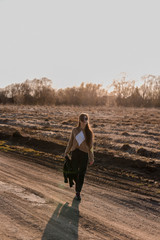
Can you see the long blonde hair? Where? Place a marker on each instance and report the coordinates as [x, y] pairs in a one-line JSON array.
[[88, 130]]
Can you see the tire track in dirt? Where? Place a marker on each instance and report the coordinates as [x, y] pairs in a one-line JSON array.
[[36, 204]]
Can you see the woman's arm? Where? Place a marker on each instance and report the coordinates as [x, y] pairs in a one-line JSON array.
[[91, 153], [69, 145]]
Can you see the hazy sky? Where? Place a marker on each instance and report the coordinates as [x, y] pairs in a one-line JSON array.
[[71, 41]]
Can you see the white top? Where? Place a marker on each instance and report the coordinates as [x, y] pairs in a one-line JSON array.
[[80, 137]]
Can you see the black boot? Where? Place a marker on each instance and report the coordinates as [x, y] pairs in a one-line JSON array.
[[78, 196]]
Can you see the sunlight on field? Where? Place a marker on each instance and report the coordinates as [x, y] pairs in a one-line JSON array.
[[123, 131]]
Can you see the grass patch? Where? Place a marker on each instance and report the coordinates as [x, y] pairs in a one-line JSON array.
[[4, 146], [7, 147], [2, 143]]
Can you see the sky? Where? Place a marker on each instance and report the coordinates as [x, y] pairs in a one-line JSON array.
[[75, 41]]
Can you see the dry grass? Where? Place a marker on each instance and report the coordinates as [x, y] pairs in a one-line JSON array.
[[133, 132]]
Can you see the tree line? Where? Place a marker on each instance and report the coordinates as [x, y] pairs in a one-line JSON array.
[[40, 92], [129, 95], [125, 93]]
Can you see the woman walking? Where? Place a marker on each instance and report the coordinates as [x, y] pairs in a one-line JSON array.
[[81, 147]]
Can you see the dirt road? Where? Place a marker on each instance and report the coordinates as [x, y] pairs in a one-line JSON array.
[[36, 204]]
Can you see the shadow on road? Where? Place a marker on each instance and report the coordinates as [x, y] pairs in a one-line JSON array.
[[64, 222]]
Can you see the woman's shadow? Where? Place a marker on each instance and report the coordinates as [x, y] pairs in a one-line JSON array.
[[64, 223]]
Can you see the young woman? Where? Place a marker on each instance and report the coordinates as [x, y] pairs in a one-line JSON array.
[[81, 147]]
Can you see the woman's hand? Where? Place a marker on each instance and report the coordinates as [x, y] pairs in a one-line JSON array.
[[91, 163], [64, 154]]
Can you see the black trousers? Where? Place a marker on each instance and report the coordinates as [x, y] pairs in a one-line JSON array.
[[79, 161]]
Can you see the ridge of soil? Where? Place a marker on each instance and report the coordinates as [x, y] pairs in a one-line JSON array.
[[106, 164]]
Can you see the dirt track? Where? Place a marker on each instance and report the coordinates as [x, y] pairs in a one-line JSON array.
[[36, 204]]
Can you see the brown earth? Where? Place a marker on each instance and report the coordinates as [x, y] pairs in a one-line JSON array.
[[125, 138], [120, 198], [36, 204]]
